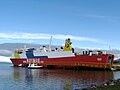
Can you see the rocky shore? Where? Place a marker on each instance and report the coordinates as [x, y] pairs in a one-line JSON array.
[[109, 85]]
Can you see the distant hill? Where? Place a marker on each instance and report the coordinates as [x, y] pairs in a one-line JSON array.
[[7, 49]]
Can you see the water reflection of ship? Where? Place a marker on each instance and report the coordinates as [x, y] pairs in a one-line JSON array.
[[29, 75], [63, 78], [25, 76], [66, 74], [16, 73], [22, 72], [73, 79]]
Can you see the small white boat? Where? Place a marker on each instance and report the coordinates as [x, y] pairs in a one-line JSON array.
[[34, 66], [113, 69]]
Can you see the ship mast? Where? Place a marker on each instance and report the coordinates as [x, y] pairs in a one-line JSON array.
[[50, 44], [25, 47]]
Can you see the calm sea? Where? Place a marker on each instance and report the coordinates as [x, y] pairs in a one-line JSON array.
[[18, 78]]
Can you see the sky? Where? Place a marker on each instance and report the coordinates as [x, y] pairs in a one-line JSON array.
[[93, 24]]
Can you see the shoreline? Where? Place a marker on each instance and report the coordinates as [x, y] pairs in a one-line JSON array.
[[109, 85]]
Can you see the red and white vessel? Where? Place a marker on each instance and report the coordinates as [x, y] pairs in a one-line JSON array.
[[62, 58]]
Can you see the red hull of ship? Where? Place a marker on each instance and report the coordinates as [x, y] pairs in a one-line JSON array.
[[97, 61]]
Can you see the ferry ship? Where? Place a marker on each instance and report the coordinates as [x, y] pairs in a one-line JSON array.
[[63, 57]]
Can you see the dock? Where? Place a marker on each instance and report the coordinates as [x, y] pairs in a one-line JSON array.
[[116, 66]]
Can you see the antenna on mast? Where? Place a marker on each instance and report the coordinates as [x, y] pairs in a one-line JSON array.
[[109, 47]]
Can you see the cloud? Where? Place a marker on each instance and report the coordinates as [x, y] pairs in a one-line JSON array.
[[104, 17], [95, 16], [35, 36]]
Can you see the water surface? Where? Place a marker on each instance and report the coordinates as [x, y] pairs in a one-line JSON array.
[[18, 78]]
